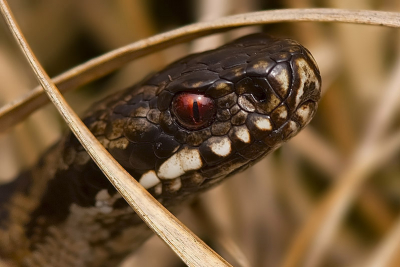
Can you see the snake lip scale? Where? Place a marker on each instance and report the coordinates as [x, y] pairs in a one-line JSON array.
[[179, 132]]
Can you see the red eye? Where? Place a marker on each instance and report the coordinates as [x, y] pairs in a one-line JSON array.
[[193, 111]]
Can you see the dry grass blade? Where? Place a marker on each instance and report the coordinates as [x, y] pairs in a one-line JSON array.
[[189, 247], [314, 148], [320, 153], [100, 66], [209, 219], [233, 250], [313, 239], [387, 250]]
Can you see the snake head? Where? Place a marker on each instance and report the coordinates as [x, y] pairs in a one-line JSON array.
[[213, 113], [178, 132]]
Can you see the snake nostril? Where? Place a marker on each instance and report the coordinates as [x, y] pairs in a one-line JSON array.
[[254, 87], [259, 95]]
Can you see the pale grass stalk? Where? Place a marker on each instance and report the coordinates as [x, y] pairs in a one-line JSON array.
[[209, 10], [355, 43], [230, 247], [214, 215], [387, 250], [313, 239], [313, 147], [290, 186], [16, 111], [184, 243], [382, 117]]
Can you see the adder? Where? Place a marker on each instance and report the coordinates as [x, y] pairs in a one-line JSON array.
[[179, 132]]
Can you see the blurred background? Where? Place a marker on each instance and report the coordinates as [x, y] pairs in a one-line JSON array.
[[330, 197]]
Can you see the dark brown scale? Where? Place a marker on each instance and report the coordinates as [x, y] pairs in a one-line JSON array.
[[239, 118], [214, 170], [272, 80], [254, 151], [197, 80], [165, 146], [258, 67], [227, 101], [181, 136], [234, 61], [141, 130], [144, 160], [195, 138], [193, 68], [220, 88], [236, 142], [220, 128], [206, 152], [167, 123], [223, 114], [234, 74], [276, 115], [154, 116], [235, 109], [281, 56], [251, 123], [164, 100], [148, 92]]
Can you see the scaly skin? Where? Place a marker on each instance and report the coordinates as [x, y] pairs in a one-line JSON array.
[[179, 132]]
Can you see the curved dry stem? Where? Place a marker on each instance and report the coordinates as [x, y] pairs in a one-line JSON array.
[[16, 111], [184, 243]]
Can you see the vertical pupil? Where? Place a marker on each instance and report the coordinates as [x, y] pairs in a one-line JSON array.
[[193, 110], [196, 112]]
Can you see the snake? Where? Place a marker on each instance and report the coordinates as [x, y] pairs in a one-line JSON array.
[[179, 132]]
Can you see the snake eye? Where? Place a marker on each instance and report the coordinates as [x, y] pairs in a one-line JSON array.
[[193, 111]]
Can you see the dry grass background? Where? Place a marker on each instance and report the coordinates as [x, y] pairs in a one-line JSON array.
[[330, 197]]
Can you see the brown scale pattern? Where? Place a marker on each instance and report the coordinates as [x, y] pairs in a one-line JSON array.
[[265, 90]]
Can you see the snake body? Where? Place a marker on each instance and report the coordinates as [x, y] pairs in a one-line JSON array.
[[179, 132]]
